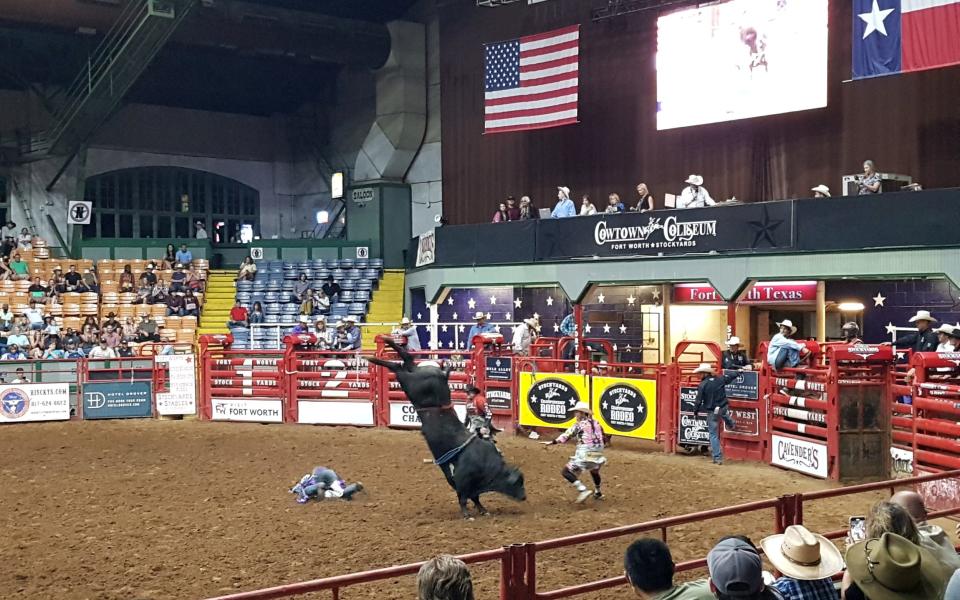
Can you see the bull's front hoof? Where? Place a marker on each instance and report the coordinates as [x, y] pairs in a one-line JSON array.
[[468, 518], [483, 512]]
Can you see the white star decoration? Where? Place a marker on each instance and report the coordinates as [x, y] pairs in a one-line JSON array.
[[450, 300], [517, 302], [493, 300], [901, 355], [628, 348], [890, 328], [623, 328], [536, 315], [454, 316], [496, 328], [556, 328], [615, 348], [450, 343], [656, 294], [443, 328], [587, 328], [461, 328], [549, 300], [489, 316], [507, 316], [420, 316], [601, 297], [606, 327], [462, 345], [874, 20], [878, 300], [471, 303], [631, 300]]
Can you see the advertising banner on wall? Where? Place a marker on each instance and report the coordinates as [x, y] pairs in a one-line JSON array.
[[426, 249], [762, 292], [801, 455], [403, 414], [182, 378], [745, 386], [746, 421], [34, 402], [499, 368], [693, 430], [626, 407], [546, 400], [334, 412], [499, 399], [255, 411], [128, 400]]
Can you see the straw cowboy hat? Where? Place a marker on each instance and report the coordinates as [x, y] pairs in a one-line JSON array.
[[350, 319], [822, 189], [405, 321], [946, 328], [801, 554], [479, 315], [705, 368], [565, 190], [788, 324], [304, 319], [733, 341], [923, 315], [582, 407], [893, 568], [694, 180], [321, 319], [532, 322]]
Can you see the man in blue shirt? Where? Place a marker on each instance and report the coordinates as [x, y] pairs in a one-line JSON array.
[[564, 207], [184, 256], [784, 351], [352, 340], [480, 328]]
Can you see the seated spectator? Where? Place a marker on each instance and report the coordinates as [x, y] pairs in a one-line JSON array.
[[736, 571], [256, 315], [50, 327], [170, 256], [644, 198], [144, 292], [194, 279], [444, 578], [871, 180], [238, 316], [887, 517], [21, 377], [111, 321], [34, 316], [73, 280], [147, 330], [71, 336], [191, 305], [649, 568], [784, 351], [57, 284], [806, 561], [6, 273], [10, 229], [945, 338], [102, 351], [90, 281], [513, 212], [148, 277], [8, 246], [932, 537], [73, 351], [820, 191], [6, 318], [38, 292], [178, 280], [127, 283], [734, 357], [13, 352], [586, 206], [527, 210], [564, 207], [175, 305], [350, 339], [501, 215], [694, 195], [321, 302], [248, 270], [184, 256], [128, 332], [613, 204], [21, 270], [53, 351], [332, 289], [159, 293], [88, 338], [892, 568], [25, 240], [111, 336]]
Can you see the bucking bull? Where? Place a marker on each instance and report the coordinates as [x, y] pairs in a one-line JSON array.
[[472, 466]]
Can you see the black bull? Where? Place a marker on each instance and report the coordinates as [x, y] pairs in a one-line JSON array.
[[471, 465]]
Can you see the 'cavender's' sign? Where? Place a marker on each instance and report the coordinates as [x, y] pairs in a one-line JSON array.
[[546, 400], [626, 407]]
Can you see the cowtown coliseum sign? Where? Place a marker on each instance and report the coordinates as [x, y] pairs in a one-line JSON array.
[[674, 233]]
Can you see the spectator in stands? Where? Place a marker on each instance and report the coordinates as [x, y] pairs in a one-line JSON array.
[[784, 351], [736, 571], [649, 568], [326, 338], [17, 337], [112, 336], [256, 315], [564, 207], [34, 316], [57, 284], [54, 351], [70, 335], [321, 302], [128, 333], [21, 377], [302, 326], [892, 568], [50, 327], [248, 270], [694, 195], [178, 279], [945, 337], [38, 292], [870, 182], [170, 256], [191, 305], [513, 212], [25, 240], [6, 318], [408, 331], [90, 281], [10, 229], [480, 328], [351, 334], [527, 210], [613, 204], [175, 305], [712, 399], [72, 279], [13, 351], [148, 276], [111, 321], [194, 279], [127, 283], [238, 316], [201, 231], [923, 339], [332, 289], [184, 256], [806, 561], [91, 321], [73, 351], [524, 334], [301, 290], [644, 199], [444, 578], [500, 215], [147, 330], [21, 270], [820, 191], [88, 338], [8, 246], [145, 292], [586, 206], [932, 537], [102, 351], [6, 273], [735, 358]]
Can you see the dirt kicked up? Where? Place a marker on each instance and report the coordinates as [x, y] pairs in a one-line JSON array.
[[184, 509]]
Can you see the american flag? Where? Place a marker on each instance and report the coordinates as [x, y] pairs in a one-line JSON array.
[[532, 82]]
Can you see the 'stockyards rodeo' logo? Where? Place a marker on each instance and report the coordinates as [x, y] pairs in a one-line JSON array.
[[551, 400], [637, 237], [623, 407]]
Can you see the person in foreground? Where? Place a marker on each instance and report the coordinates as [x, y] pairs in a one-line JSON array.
[[649, 568], [589, 453], [891, 567], [807, 562], [324, 483], [736, 571], [444, 578]]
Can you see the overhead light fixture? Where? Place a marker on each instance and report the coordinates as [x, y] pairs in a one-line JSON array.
[[850, 307]]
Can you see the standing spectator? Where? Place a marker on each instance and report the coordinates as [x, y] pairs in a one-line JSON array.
[[513, 212], [613, 204], [409, 331], [238, 316], [501, 215], [191, 305], [351, 334], [712, 399], [923, 339], [784, 351], [256, 315], [870, 182], [444, 578], [184, 256], [523, 335], [932, 537], [332, 289], [527, 210], [25, 240], [649, 568], [735, 358], [736, 571], [102, 351], [248, 270], [201, 231], [91, 282], [301, 290], [480, 328], [72, 279], [893, 568], [586, 206], [127, 283], [170, 256], [644, 199], [326, 337], [178, 279], [21, 270], [807, 563], [694, 195], [564, 207]]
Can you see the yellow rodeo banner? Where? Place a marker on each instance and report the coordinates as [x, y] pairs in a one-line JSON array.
[[626, 407], [546, 399]]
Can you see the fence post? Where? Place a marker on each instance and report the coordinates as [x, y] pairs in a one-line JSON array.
[[519, 588], [506, 574], [531, 560]]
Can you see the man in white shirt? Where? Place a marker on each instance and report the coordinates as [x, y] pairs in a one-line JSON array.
[[34, 315], [102, 351], [694, 195], [17, 338], [6, 317], [524, 335], [408, 330], [21, 377], [201, 231]]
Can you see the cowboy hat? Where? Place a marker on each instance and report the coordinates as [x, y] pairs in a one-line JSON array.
[[893, 568], [694, 180], [582, 407], [801, 554], [350, 319], [564, 189], [321, 319], [304, 319], [704, 368], [734, 341], [946, 329], [923, 315], [822, 189], [788, 324], [405, 321], [532, 322], [479, 315]]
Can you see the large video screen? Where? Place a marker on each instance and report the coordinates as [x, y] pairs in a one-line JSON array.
[[740, 59]]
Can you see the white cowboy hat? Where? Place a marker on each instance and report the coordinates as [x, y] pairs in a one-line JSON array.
[[734, 341], [946, 328], [405, 321], [535, 323], [479, 315], [582, 407], [564, 189], [822, 189], [694, 180], [788, 324], [321, 319], [704, 368], [923, 315], [800, 554], [350, 319], [304, 319]]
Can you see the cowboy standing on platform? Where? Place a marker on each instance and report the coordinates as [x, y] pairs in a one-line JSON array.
[[589, 453], [923, 339], [735, 358], [712, 399]]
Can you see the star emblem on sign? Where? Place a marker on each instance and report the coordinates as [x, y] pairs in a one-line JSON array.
[[764, 228], [640, 409]]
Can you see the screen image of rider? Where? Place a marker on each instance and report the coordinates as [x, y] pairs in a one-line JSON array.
[[740, 59]]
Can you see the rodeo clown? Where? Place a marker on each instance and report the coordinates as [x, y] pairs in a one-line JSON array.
[[589, 454], [324, 483]]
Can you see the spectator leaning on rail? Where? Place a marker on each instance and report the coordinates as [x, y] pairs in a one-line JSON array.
[[586, 206], [444, 578], [784, 351], [694, 195], [932, 537], [409, 332], [351, 334], [501, 215], [613, 204], [564, 206], [480, 328], [524, 335], [870, 182], [923, 339], [649, 568], [513, 212], [735, 358], [736, 571], [712, 399], [806, 561]]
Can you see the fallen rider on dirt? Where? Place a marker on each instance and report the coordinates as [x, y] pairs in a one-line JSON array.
[[324, 483]]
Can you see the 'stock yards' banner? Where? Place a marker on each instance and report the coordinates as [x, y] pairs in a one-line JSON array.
[[626, 407], [34, 402], [546, 400]]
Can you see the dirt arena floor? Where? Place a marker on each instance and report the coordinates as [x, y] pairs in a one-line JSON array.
[[184, 509]]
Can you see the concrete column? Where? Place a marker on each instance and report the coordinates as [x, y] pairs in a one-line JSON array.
[[666, 352], [821, 312]]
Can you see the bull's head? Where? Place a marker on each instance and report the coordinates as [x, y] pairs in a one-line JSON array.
[[510, 483]]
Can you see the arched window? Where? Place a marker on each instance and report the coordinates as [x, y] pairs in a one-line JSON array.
[[166, 202]]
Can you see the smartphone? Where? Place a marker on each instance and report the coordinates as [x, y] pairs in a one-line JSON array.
[[858, 529]]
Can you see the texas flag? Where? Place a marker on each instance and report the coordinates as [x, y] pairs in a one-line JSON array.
[[895, 36]]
